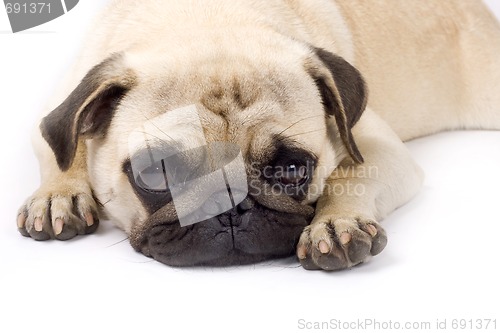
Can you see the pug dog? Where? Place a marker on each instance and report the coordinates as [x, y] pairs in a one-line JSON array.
[[311, 102]]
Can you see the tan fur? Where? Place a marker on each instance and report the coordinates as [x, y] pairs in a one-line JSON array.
[[429, 66]]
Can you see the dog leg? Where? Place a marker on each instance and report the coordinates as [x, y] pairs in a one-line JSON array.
[[63, 206], [345, 231]]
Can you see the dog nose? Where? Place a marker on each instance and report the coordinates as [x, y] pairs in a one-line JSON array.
[[233, 219], [230, 218]]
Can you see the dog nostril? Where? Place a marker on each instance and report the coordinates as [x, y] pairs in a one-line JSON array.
[[245, 205]]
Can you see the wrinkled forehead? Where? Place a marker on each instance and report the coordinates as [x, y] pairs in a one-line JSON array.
[[244, 105], [194, 126]]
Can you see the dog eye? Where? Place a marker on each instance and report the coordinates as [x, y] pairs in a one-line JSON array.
[[294, 175], [153, 178]]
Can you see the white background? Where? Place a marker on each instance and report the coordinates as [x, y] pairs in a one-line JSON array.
[[440, 263]]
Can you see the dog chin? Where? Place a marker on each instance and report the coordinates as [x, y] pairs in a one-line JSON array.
[[232, 238]]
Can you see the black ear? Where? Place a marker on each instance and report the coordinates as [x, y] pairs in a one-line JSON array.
[[344, 95], [88, 110]]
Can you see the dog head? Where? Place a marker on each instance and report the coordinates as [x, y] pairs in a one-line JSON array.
[[237, 143]]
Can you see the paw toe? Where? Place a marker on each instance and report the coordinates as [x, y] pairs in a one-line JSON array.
[[37, 228], [21, 223], [64, 231], [379, 237], [86, 209], [332, 261], [359, 247], [309, 264]]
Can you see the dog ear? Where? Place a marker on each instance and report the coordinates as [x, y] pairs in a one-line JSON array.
[[88, 110], [343, 93]]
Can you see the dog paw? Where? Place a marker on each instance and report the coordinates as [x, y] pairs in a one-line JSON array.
[[339, 243], [58, 215]]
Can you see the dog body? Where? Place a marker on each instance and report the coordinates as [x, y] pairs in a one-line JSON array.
[[285, 81]]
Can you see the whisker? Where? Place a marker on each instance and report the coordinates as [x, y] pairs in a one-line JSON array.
[[99, 203], [158, 128], [121, 241], [107, 202], [302, 133], [154, 136], [295, 123], [143, 262]]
